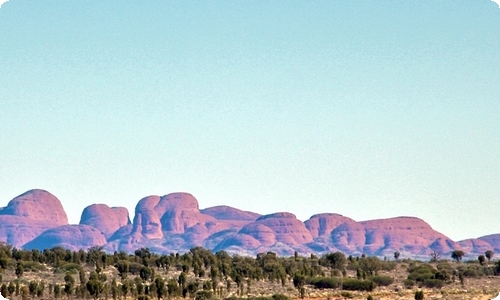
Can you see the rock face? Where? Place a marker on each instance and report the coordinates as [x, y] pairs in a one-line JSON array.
[[174, 223], [107, 219], [37, 205], [224, 212], [268, 232], [493, 240], [73, 237], [28, 215], [406, 234]]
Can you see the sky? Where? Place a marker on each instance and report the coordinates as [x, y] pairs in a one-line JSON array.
[[369, 109]]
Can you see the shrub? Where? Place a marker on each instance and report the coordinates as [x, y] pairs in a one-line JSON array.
[[280, 297], [382, 280], [352, 284], [203, 295], [433, 283], [324, 282], [388, 265], [33, 266], [408, 283], [70, 267], [419, 295], [346, 294]]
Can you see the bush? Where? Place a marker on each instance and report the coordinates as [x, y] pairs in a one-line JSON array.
[[419, 295], [69, 267], [203, 295], [33, 266], [408, 283], [280, 297], [352, 284], [346, 295], [382, 280], [433, 283], [324, 282], [388, 265]]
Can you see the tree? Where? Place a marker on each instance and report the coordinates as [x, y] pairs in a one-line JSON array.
[[396, 255], [481, 259], [299, 281], [146, 273], [57, 291], [161, 289], [435, 256], [32, 286], [457, 255], [370, 264], [95, 288], [336, 260], [126, 287], [489, 255], [19, 269], [69, 284], [419, 295]]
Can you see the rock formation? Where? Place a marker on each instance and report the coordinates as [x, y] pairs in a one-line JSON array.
[[73, 237], [174, 223], [28, 215], [107, 219]]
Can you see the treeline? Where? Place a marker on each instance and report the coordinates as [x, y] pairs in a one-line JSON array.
[[201, 274]]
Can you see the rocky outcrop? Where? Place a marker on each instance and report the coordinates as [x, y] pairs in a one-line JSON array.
[[224, 212], [107, 219], [493, 240], [268, 231], [321, 225], [28, 215], [474, 246], [73, 237], [37, 205], [404, 234], [174, 223]]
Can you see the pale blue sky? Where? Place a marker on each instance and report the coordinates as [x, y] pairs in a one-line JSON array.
[[370, 109]]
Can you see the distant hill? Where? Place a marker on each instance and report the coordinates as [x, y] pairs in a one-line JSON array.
[[174, 223]]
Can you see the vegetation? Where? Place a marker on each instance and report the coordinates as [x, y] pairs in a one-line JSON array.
[[59, 273]]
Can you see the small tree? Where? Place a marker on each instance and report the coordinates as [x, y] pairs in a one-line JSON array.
[[457, 255], [19, 269], [489, 255], [69, 284], [161, 288], [419, 295], [481, 259], [95, 288], [435, 256], [396, 255]]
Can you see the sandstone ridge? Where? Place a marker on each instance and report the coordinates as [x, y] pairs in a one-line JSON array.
[[175, 223]]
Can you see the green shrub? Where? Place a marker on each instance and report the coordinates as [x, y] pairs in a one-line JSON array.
[[346, 295], [69, 267], [433, 283], [388, 265], [408, 283], [203, 295], [352, 284], [280, 297], [324, 282], [33, 266], [419, 295], [382, 280]]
